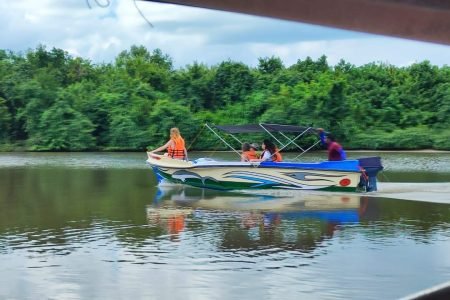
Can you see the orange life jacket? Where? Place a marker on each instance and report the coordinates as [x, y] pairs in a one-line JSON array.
[[276, 157], [177, 151], [251, 154]]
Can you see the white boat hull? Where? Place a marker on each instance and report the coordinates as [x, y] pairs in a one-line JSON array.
[[247, 175]]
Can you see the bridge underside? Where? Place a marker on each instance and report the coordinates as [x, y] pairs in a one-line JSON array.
[[425, 20]]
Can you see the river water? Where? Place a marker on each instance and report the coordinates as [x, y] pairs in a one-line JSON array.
[[96, 226]]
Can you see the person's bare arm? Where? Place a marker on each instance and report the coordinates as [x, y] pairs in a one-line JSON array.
[[164, 147]]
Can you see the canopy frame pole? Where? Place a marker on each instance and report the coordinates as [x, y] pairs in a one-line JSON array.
[[297, 137], [306, 150], [235, 138], [225, 142], [293, 141], [290, 141], [262, 126]]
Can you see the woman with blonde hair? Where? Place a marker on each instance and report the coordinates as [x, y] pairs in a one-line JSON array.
[[175, 146]]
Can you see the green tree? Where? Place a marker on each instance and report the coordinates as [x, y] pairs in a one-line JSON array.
[[270, 65], [154, 68], [62, 128], [441, 101], [232, 83], [120, 104], [5, 121], [166, 115], [125, 134], [34, 100], [192, 86]]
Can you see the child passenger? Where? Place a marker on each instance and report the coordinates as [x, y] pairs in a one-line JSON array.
[[249, 152]]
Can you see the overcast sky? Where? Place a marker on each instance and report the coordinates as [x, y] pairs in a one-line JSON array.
[[84, 28]]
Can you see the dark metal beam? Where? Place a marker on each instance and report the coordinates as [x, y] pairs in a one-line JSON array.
[[425, 20]]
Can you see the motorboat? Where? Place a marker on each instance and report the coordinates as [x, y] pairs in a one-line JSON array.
[[339, 176]]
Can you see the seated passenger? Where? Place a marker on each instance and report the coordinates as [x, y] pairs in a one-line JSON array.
[[270, 153], [255, 147], [248, 152], [175, 146]]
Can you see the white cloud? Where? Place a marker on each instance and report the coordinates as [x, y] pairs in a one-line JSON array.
[[191, 34]]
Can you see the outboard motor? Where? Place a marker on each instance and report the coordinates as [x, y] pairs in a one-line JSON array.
[[370, 167]]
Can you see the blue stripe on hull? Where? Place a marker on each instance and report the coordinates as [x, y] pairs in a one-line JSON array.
[[344, 165]]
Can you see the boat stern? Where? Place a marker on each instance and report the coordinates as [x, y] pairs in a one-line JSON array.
[[370, 167]]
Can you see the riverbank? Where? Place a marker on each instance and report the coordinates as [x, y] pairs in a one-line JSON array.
[[402, 151], [9, 148]]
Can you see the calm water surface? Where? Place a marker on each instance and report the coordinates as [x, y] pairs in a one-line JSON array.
[[95, 226]]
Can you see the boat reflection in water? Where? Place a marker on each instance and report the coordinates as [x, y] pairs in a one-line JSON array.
[[246, 221]]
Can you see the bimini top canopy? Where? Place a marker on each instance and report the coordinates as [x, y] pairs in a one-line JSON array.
[[263, 127]]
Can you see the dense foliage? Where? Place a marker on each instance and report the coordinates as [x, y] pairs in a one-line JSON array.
[[50, 100]]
